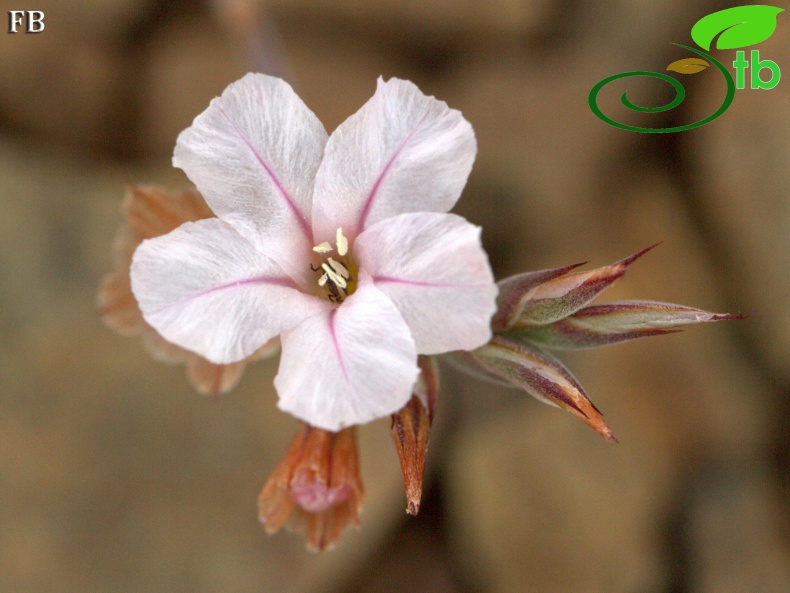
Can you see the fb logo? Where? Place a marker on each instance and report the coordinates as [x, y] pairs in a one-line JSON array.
[[33, 21]]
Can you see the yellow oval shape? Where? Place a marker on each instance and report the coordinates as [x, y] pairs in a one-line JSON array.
[[688, 65]]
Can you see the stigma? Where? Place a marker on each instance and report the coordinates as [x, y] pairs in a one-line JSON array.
[[337, 279]]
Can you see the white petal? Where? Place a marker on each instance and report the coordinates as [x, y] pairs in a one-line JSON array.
[[207, 289], [253, 154], [349, 365], [434, 269], [402, 152]]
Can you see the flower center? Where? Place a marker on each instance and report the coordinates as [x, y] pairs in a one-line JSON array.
[[338, 276]]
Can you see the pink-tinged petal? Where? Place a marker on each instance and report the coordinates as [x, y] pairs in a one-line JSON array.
[[316, 487], [253, 154], [434, 269], [349, 365], [205, 288], [401, 152], [611, 323]]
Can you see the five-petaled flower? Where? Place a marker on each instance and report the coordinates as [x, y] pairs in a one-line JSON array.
[[341, 245]]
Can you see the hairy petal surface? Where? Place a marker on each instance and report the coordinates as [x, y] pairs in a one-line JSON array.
[[433, 267], [207, 289], [401, 152], [253, 154], [349, 365]]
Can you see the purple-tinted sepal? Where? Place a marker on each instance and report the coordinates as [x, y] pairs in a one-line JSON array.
[[540, 298], [541, 375], [550, 309], [611, 323], [515, 292]]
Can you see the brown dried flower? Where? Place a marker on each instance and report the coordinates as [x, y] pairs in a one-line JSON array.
[[316, 487]]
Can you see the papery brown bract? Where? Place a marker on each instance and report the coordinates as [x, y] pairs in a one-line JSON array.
[[411, 427]]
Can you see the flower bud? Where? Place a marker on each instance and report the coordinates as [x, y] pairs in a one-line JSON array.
[[611, 323], [315, 488], [540, 298], [411, 428], [540, 375]]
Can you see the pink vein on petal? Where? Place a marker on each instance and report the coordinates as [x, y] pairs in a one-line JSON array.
[[424, 283], [278, 184], [335, 345], [363, 216], [275, 280]]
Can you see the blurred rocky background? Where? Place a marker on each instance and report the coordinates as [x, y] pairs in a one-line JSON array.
[[115, 476]]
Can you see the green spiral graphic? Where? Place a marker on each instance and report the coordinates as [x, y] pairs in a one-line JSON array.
[[680, 94]]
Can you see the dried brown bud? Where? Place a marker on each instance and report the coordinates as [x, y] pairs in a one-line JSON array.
[[315, 488], [411, 428]]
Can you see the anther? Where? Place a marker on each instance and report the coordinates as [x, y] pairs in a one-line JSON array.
[[334, 276], [339, 268], [342, 243]]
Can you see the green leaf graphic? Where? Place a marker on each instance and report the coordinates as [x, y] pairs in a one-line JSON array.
[[739, 27]]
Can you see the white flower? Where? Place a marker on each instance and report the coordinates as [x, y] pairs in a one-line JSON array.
[[341, 245]]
